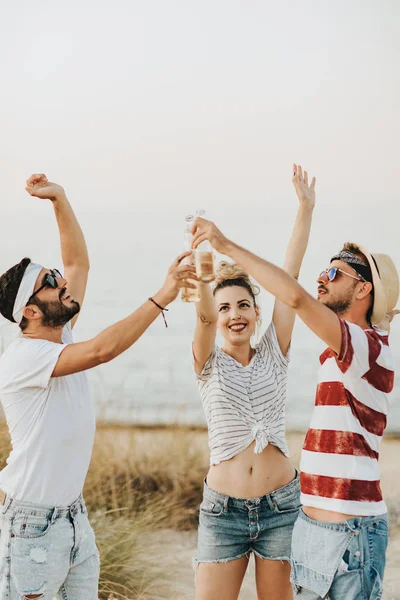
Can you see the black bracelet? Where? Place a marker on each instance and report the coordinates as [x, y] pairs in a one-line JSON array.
[[162, 310]]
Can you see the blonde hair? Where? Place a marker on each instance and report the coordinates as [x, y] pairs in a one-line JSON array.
[[231, 274]]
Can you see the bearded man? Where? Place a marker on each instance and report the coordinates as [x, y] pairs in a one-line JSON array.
[[47, 545]]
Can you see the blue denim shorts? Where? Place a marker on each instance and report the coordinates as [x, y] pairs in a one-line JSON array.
[[339, 560], [46, 551], [230, 528]]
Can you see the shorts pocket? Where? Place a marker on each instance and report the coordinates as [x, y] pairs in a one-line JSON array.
[[287, 503], [212, 508], [29, 526]]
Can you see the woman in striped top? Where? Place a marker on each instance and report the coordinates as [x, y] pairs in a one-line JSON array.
[[251, 493]]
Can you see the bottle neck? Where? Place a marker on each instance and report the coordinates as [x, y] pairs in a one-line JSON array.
[[187, 240], [204, 247]]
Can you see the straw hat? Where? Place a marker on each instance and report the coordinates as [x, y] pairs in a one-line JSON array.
[[386, 284]]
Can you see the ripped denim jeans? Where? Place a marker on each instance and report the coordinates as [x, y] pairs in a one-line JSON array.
[[46, 551], [339, 561]]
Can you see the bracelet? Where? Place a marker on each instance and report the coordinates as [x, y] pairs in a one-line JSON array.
[[162, 310]]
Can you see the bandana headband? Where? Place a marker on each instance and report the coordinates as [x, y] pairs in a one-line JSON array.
[[360, 266], [25, 290], [349, 257]]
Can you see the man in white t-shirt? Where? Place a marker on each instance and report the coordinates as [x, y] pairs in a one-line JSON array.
[[46, 543]]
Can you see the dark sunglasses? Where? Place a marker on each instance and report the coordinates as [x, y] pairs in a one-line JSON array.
[[50, 280], [333, 271]]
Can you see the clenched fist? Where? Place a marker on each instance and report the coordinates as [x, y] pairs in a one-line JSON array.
[[38, 185]]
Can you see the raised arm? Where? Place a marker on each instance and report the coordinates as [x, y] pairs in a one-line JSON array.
[[114, 340], [206, 327], [73, 246], [320, 319], [283, 315]]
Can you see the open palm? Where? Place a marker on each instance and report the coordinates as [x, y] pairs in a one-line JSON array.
[[305, 192]]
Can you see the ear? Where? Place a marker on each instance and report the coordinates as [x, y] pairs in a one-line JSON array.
[[32, 313], [364, 290], [258, 311]]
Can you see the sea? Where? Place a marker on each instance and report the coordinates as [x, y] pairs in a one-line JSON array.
[[153, 383]]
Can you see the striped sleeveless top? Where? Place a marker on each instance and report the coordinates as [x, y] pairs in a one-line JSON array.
[[245, 404]]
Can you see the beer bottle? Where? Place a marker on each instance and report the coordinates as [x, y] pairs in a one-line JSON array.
[[204, 257], [189, 294]]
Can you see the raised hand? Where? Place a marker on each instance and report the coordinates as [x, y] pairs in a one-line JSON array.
[[177, 278], [305, 192], [206, 230], [38, 185]]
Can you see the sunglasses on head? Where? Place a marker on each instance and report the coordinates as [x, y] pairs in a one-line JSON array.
[[333, 271], [50, 280]]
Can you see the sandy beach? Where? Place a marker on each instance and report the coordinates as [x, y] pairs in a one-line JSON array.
[[172, 550], [143, 492], [179, 547]]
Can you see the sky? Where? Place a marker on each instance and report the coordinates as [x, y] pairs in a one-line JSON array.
[[147, 110]]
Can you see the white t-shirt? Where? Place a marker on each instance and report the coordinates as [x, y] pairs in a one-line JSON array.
[[51, 423]]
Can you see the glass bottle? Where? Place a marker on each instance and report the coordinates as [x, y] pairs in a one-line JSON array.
[[204, 257], [189, 294]]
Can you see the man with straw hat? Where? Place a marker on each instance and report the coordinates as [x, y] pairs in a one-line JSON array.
[[340, 537], [47, 545]]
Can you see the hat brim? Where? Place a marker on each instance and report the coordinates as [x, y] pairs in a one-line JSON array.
[[380, 301]]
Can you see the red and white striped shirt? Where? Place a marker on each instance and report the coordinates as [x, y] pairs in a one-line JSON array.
[[339, 461]]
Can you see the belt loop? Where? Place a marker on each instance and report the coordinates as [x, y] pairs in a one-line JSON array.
[[226, 500], [270, 501], [54, 515], [7, 504]]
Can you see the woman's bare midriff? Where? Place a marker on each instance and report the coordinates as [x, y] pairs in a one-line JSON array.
[[249, 475]]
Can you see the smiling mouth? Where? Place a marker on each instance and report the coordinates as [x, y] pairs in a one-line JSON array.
[[237, 327]]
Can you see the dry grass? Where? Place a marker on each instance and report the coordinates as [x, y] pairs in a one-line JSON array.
[[145, 485], [129, 563], [156, 470], [139, 481]]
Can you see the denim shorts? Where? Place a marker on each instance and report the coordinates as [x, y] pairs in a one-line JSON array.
[[46, 551], [230, 528], [339, 560]]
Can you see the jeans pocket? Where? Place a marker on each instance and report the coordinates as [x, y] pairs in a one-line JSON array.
[[377, 546], [287, 503], [212, 508], [29, 526], [380, 527]]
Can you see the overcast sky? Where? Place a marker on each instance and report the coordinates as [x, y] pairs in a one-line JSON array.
[[146, 110]]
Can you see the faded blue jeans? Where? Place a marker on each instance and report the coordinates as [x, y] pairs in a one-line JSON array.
[[339, 561], [46, 551], [230, 528]]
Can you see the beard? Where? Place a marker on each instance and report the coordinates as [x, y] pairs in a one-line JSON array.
[[340, 305], [55, 314]]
